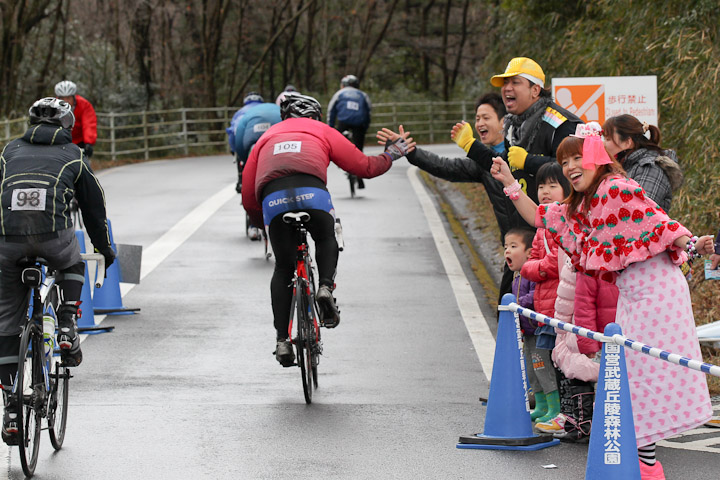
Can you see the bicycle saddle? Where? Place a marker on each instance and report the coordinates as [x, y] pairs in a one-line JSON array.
[[296, 218]]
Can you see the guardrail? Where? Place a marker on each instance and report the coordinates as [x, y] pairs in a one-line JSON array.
[[185, 131]]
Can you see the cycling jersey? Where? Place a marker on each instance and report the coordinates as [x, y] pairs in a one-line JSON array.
[[302, 146], [233, 123], [85, 129], [350, 106], [39, 174], [252, 125]]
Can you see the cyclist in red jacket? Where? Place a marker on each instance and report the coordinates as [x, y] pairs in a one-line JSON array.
[[287, 171], [84, 133]]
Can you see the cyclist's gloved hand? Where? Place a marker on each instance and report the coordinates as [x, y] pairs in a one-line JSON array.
[[88, 150], [109, 255], [463, 136], [397, 149]]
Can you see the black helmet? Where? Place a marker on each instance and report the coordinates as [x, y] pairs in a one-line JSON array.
[[350, 81], [295, 105], [53, 111], [252, 97]]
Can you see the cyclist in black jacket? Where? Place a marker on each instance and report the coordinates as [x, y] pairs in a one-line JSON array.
[[39, 175]]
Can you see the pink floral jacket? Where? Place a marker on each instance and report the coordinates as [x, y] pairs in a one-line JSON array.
[[622, 227]]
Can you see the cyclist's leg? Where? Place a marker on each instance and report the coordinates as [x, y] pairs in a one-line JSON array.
[[63, 254], [322, 229], [240, 164], [359, 140], [13, 306], [282, 239]]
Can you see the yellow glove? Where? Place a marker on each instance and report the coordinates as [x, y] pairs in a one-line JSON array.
[[516, 157], [464, 137]]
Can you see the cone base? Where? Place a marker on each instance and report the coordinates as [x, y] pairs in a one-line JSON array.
[[482, 442], [115, 311]]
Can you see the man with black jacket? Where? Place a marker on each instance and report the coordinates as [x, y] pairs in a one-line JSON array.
[[534, 126], [39, 175]]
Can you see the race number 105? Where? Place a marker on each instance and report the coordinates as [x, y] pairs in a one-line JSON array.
[[287, 147], [28, 199]]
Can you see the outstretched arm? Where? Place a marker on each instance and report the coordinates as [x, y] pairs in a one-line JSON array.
[[524, 204]]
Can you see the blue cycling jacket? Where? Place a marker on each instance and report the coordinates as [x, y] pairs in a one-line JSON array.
[[350, 106], [252, 125], [233, 123]]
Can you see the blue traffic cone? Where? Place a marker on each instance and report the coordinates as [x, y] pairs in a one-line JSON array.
[[87, 316], [507, 419], [613, 449], [107, 299]]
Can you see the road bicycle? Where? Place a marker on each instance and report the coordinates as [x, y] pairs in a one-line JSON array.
[[41, 386]]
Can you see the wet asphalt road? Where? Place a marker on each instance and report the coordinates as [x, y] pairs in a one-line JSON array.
[[189, 388]]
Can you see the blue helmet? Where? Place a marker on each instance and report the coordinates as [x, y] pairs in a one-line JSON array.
[[252, 97]]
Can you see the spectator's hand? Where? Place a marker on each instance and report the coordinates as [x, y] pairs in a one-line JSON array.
[[88, 150], [516, 157], [705, 245], [109, 255], [501, 172], [714, 261], [462, 135]]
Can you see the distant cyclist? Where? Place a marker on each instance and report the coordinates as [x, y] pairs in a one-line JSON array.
[[39, 174], [288, 88], [251, 100], [84, 133], [249, 129], [287, 171]]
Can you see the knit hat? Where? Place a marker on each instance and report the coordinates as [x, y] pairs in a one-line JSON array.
[[522, 67]]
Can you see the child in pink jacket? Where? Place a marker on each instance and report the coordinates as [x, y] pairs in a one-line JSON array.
[[542, 268]]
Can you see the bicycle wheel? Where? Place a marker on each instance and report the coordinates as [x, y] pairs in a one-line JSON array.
[[58, 405], [29, 389], [304, 347]]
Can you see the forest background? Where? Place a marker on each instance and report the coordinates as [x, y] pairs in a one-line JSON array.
[[153, 54]]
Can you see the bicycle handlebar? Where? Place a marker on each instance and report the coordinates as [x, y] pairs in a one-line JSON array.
[[100, 259]]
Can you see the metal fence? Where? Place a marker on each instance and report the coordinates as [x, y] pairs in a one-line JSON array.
[[186, 131]]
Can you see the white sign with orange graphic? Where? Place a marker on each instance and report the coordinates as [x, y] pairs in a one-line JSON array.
[[598, 98]]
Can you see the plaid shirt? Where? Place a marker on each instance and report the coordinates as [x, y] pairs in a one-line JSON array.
[[641, 165]]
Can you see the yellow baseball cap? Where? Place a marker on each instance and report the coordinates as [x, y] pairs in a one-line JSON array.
[[523, 67]]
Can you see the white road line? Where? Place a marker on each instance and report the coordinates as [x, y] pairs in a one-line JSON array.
[[473, 317], [152, 257]]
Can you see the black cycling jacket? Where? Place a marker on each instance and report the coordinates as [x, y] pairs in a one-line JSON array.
[[39, 175]]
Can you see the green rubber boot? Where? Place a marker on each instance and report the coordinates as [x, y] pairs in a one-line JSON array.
[[553, 406], [541, 406]]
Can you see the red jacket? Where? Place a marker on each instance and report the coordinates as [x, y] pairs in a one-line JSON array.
[[302, 145], [543, 258], [595, 306], [85, 129]]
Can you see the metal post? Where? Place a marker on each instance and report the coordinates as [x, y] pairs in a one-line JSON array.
[[432, 129], [113, 156], [145, 135], [7, 130], [183, 112], [394, 114]]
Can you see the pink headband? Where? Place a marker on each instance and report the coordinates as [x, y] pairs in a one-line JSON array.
[[594, 152]]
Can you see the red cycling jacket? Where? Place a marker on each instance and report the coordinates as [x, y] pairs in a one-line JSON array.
[[85, 129], [302, 145]]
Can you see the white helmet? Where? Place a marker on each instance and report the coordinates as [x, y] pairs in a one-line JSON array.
[[66, 88], [52, 111]]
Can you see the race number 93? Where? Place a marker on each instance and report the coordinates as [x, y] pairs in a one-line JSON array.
[[28, 199]]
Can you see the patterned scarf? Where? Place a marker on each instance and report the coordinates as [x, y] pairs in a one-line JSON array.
[[520, 130]]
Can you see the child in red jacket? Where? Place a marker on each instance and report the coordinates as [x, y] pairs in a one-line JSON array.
[[542, 268]]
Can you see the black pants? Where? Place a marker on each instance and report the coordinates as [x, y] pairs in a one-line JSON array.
[[283, 239]]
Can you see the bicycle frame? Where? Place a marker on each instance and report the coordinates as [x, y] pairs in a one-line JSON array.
[[302, 282]]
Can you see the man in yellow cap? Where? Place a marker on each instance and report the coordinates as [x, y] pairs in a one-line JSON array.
[[534, 125]]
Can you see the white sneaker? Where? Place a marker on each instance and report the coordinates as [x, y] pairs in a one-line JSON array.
[[254, 233], [553, 425]]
